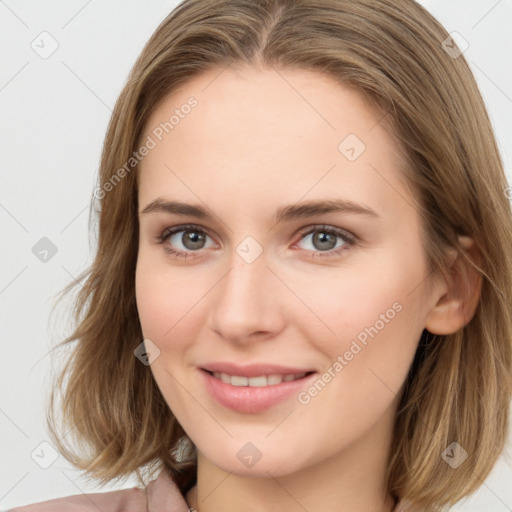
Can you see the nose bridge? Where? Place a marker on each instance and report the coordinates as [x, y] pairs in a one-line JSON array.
[[245, 301]]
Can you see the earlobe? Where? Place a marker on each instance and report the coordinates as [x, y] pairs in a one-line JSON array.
[[456, 307]]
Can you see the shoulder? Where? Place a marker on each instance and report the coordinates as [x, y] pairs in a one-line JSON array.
[[114, 501], [160, 495]]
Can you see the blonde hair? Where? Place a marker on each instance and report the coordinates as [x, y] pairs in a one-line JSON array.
[[391, 52]]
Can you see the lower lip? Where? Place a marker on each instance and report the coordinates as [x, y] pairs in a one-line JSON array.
[[251, 400]]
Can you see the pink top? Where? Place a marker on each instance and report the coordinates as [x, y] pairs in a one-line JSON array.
[[160, 495]]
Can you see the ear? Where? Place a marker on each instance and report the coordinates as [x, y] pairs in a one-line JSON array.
[[457, 305]]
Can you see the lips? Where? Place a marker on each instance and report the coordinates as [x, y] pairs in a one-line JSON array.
[[253, 388]]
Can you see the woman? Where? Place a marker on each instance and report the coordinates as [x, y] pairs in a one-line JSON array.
[[301, 295]]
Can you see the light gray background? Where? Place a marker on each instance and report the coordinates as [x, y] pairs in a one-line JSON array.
[[54, 116]]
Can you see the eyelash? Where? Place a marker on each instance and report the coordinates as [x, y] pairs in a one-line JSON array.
[[349, 239]]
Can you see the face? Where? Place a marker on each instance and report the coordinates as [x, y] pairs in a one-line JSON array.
[[286, 292]]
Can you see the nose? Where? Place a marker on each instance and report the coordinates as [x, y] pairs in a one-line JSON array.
[[247, 302]]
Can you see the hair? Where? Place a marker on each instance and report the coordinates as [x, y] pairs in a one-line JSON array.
[[392, 53]]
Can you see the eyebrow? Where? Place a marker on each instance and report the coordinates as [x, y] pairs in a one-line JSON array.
[[283, 214]]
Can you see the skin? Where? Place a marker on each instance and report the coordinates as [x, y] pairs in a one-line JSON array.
[[259, 140]]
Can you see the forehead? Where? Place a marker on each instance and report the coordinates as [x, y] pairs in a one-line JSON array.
[[273, 133], [286, 102]]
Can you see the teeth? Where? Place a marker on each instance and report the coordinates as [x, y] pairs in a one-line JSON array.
[[274, 379], [239, 381], [257, 382]]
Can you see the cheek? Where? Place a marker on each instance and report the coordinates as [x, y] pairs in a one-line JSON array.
[[375, 315], [374, 295], [168, 302], [377, 330], [165, 303]]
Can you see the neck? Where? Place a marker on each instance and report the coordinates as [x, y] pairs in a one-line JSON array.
[[352, 480]]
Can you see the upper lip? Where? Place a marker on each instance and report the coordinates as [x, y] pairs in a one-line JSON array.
[[253, 370]]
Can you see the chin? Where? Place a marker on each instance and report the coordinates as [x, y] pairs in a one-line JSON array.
[[258, 459]]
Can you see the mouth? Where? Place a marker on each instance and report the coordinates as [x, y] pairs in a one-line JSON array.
[[258, 381], [255, 393]]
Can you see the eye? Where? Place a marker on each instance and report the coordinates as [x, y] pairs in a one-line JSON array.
[[183, 240], [327, 241]]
